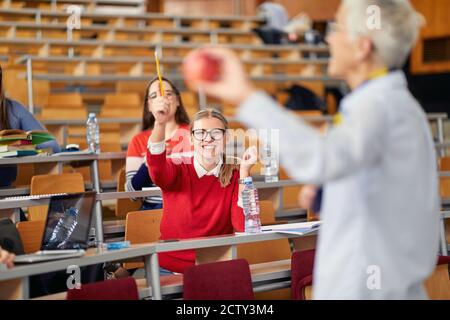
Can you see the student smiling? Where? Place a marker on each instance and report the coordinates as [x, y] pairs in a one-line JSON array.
[[200, 193]]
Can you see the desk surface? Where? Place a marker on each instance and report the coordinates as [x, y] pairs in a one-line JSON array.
[[18, 203], [92, 257], [226, 240], [63, 158], [155, 191]]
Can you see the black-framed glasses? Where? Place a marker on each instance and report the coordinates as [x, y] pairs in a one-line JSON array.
[[202, 134], [167, 93]]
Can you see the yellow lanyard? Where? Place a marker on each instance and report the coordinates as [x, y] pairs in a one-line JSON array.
[[378, 73]]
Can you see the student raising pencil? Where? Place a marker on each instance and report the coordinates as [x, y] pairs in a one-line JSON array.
[[200, 193], [177, 136]]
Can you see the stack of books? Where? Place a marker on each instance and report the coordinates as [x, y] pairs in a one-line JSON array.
[[17, 143]]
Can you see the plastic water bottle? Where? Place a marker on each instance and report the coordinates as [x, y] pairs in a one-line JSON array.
[[65, 227], [270, 165], [250, 204], [93, 133]]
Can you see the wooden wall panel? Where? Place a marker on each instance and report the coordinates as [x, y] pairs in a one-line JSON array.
[[318, 10], [437, 25], [210, 7]]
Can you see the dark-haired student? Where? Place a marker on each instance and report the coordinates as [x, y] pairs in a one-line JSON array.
[[14, 115], [177, 141]]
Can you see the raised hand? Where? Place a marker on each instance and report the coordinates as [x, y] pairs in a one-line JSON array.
[[231, 85], [249, 159], [160, 108]]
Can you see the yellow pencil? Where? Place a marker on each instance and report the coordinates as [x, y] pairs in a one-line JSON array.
[[161, 89]]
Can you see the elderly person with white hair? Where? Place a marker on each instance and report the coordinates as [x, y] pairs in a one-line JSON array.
[[380, 210]]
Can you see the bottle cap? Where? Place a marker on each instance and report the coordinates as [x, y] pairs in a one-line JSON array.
[[91, 115], [248, 180], [72, 211]]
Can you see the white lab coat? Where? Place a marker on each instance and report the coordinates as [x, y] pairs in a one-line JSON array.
[[380, 209]]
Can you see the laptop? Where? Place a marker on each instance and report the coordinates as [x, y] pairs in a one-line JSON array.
[[66, 232]]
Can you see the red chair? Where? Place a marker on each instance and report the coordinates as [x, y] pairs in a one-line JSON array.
[[443, 260], [302, 265], [224, 280], [120, 289]]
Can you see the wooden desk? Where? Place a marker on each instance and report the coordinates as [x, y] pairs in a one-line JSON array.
[[93, 256], [53, 165]]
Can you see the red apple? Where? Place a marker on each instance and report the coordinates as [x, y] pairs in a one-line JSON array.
[[201, 66]]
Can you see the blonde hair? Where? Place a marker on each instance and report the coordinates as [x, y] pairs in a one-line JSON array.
[[226, 172]]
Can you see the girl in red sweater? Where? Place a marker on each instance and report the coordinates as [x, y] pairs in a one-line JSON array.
[[200, 193]]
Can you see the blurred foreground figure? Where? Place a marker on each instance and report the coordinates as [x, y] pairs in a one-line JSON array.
[[380, 209]]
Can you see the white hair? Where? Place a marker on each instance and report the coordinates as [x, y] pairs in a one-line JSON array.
[[393, 34]]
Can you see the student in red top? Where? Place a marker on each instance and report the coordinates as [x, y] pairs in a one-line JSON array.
[[176, 133], [201, 192]]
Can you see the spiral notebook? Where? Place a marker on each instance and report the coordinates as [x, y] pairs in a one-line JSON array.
[[301, 228], [34, 197]]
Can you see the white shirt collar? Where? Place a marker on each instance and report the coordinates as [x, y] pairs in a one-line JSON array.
[[203, 172]]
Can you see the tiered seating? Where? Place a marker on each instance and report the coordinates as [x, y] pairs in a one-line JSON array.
[[64, 106], [114, 53], [138, 66], [88, 5], [123, 206], [47, 184], [31, 234], [444, 165], [147, 19], [112, 57], [121, 105], [31, 30]]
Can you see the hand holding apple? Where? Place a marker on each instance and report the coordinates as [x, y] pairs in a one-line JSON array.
[[219, 73], [201, 66]]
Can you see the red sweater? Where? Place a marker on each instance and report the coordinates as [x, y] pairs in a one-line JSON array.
[[193, 207]]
